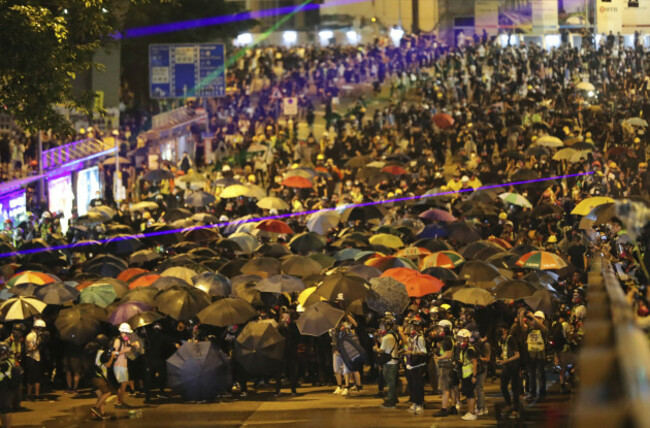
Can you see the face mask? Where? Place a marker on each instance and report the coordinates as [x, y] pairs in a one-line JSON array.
[[464, 345]]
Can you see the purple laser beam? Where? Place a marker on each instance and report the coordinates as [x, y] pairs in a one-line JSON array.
[[151, 30], [281, 216]]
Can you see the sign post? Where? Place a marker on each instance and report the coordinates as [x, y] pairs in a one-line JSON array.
[[187, 70], [290, 106]]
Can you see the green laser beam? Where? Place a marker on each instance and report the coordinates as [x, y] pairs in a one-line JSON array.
[[207, 79]]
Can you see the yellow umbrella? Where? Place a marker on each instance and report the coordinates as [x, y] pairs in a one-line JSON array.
[[586, 205], [305, 294], [387, 240], [549, 141]]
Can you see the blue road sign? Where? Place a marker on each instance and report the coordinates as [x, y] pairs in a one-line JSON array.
[[187, 70]]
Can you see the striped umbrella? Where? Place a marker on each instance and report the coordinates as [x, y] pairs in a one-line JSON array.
[[31, 277], [20, 308], [515, 199], [541, 260], [445, 259], [413, 252]]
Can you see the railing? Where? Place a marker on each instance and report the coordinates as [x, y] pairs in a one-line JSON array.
[[614, 362], [62, 155]]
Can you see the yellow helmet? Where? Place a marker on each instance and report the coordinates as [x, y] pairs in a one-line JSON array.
[[503, 216], [531, 234], [612, 165], [637, 140], [320, 156], [251, 178], [552, 239], [295, 166]]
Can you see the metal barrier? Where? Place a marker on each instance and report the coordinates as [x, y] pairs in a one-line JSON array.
[[614, 362], [61, 155]]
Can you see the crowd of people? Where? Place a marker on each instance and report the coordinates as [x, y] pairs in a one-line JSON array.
[[470, 301]]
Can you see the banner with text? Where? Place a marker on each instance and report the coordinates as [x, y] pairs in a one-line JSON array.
[[486, 17]]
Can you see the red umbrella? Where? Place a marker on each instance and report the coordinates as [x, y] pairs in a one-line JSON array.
[[297, 181], [394, 170], [144, 281], [443, 120], [417, 284], [130, 273], [275, 226]]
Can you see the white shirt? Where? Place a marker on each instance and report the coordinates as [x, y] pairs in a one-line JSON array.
[[389, 346]]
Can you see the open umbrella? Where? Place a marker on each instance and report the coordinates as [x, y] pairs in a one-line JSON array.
[[20, 308], [281, 284], [274, 226], [516, 199], [199, 371], [145, 206], [199, 199], [126, 311], [473, 296], [259, 349], [143, 319], [462, 232], [266, 265], [585, 86], [227, 311], [99, 294], [413, 252], [30, 277], [56, 293], [297, 182], [307, 242], [234, 191], [363, 213], [387, 240], [344, 288], [387, 295], [143, 257], [156, 175], [143, 281], [542, 260], [181, 304], [145, 295], [322, 221], [247, 242], [389, 262], [319, 318], [513, 289], [445, 259], [122, 245], [213, 284], [175, 214], [79, 324], [417, 284], [542, 300], [180, 272], [443, 120], [301, 266], [478, 271], [587, 205], [273, 203], [436, 214], [636, 121]]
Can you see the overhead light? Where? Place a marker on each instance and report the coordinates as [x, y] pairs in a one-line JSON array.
[[290, 37], [353, 37], [325, 34], [244, 39]]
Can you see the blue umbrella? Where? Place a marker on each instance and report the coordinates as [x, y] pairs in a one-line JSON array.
[[433, 231]]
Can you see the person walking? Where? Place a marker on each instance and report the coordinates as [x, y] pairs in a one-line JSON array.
[[484, 353], [122, 346], [103, 388], [536, 342], [416, 362], [33, 366]]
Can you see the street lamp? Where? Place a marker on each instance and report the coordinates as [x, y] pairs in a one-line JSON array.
[[325, 36], [290, 37], [353, 37], [244, 39]]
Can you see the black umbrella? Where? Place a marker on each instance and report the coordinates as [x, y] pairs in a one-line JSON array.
[[343, 287], [228, 311], [141, 294], [470, 251], [106, 258], [364, 271], [199, 371], [123, 245], [477, 271], [267, 265], [387, 295], [105, 269], [200, 235], [546, 210], [462, 232], [233, 267], [167, 282], [144, 319], [433, 245], [307, 242], [259, 349], [56, 293], [213, 284], [363, 213], [199, 199], [301, 266], [513, 289], [319, 318], [177, 214], [446, 275], [78, 324], [144, 257], [161, 234], [273, 250], [119, 229], [182, 304], [156, 175], [281, 284]]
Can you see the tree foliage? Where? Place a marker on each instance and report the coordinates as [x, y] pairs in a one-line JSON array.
[[44, 45]]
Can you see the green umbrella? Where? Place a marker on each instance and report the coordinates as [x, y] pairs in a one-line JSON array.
[[99, 294]]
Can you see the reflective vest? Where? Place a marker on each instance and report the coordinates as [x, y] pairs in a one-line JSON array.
[[504, 348], [468, 366], [535, 341], [5, 375]]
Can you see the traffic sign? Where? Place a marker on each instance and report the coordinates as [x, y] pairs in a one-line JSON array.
[[290, 106], [187, 70]]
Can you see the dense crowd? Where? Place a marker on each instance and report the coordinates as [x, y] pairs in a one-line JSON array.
[[448, 289]]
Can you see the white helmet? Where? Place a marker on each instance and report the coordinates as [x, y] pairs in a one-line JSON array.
[[125, 328], [464, 333], [39, 323], [445, 323], [539, 314]]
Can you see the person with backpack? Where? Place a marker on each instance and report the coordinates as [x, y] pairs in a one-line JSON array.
[[536, 342], [416, 362], [122, 346], [560, 347], [103, 389], [388, 357]]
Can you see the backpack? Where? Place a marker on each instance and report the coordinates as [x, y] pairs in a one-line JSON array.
[[557, 338]]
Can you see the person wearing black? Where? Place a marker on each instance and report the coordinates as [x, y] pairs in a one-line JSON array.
[[158, 347], [7, 388], [508, 359], [289, 330], [103, 360]]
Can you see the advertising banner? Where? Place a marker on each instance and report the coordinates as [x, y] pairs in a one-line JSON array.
[[545, 16], [61, 198], [516, 16], [12, 206], [636, 18], [486, 17], [609, 16], [88, 188], [571, 13]]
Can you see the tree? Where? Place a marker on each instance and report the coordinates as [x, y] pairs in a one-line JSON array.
[[45, 44], [135, 53]]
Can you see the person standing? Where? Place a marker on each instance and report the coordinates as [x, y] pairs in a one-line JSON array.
[[536, 342], [469, 371], [103, 389], [388, 356], [33, 367], [509, 362], [122, 346], [7, 387], [416, 362]]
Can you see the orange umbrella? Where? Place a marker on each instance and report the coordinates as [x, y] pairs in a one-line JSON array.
[[84, 284], [275, 226], [297, 181], [144, 281], [30, 277], [394, 170], [500, 242], [413, 252], [443, 120], [130, 273], [445, 259], [417, 284]]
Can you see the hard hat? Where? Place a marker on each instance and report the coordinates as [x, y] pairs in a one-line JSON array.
[[82, 131], [588, 135], [464, 333], [445, 306], [444, 323], [637, 140], [531, 234], [251, 178], [320, 156], [552, 239], [39, 323], [539, 314], [146, 215], [294, 166], [503, 216], [125, 328], [612, 165], [225, 168], [465, 179]]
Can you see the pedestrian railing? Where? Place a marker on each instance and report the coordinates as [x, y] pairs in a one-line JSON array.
[[61, 155], [614, 361]]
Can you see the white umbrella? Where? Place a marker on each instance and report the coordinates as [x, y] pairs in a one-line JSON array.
[[271, 202], [20, 308], [585, 86], [247, 242], [321, 222], [549, 141]]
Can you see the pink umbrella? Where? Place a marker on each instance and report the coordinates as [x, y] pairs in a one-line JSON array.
[[435, 214], [127, 310]]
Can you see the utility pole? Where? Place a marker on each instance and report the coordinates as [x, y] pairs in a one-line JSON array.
[[415, 12]]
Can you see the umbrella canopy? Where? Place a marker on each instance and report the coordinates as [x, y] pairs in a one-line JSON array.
[[175, 214], [297, 182], [234, 191], [213, 284], [20, 308], [56, 293], [473, 296], [436, 214], [516, 199], [227, 311], [131, 273], [98, 294], [636, 121], [387, 240], [301, 266], [199, 371], [587, 205], [259, 349], [145, 295], [142, 257], [247, 242], [417, 284], [199, 199], [307, 242], [145, 206], [413, 252], [156, 175], [365, 272], [126, 311], [542, 260], [542, 300], [143, 319], [79, 324], [30, 277], [322, 221], [478, 271], [167, 282], [513, 289], [319, 318], [389, 262], [549, 141], [363, 213], [343, 287], [274, 226], [462, 232], [200, 234], [281, 284], [443, 120], [180, 272], [122, 245], [585, 86], [273, 203], [181, 304], [387, 295], [143, 281], [445, 259], [570, 155]]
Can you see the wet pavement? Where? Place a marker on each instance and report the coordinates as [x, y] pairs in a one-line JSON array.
[[314, 407]]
